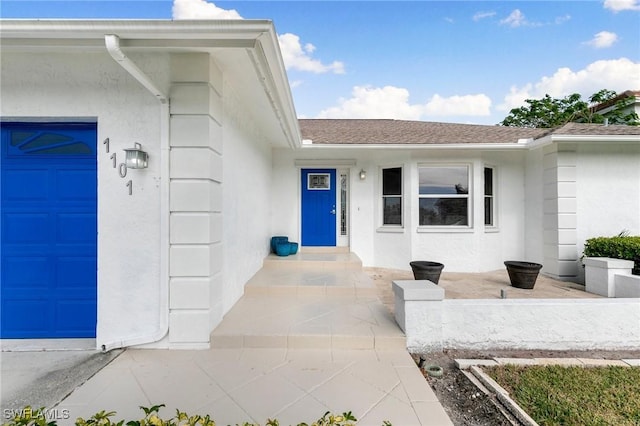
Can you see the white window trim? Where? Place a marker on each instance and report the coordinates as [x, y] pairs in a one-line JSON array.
[[391, 227], [470, 200], [495, 226]]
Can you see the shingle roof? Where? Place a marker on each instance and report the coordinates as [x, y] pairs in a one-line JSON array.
[[589, 129], [619, 97], [403, 132]]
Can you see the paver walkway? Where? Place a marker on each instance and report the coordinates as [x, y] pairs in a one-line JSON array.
[[308, 336]]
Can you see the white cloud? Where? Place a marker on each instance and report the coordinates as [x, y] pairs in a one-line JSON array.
[[614, 74], [375, 102], [602, 40], [475, 105], [562, 19], [393, 102], [517, 19], [620, 5], [201, 9], [298, 57], [482, 15]]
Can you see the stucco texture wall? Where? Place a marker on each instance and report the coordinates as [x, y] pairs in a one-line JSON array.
[[247, 198], [608, 194], [91, 86]]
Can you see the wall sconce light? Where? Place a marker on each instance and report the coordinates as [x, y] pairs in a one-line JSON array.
[[363, 174], [136, 158]]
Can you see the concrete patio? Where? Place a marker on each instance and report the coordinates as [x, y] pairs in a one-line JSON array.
[[313, 333], [310, 335]]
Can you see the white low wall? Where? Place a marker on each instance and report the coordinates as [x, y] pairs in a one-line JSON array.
[[627, 286], [553, 324], [611, 277]]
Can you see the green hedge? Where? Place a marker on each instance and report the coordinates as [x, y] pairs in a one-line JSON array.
[[619, 247]]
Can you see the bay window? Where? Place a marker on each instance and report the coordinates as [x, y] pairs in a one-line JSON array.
[[443, 195]]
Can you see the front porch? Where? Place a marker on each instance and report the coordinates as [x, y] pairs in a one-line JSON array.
[[316, 299]]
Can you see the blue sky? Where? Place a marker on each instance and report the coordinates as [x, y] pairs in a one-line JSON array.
[[453, 61]]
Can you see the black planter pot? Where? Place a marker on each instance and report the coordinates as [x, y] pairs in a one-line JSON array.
[[522, 274], [424, 270], [636, 266]]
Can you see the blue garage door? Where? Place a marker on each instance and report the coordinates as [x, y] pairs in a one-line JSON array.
[[49, 230]]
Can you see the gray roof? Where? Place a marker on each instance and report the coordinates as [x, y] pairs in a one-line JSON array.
[[588, 129], [403, 132]]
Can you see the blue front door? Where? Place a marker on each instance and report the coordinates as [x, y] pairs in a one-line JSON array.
[[318, 207], [48, 224]]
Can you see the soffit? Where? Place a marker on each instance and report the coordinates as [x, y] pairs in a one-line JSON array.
[[246, 51]]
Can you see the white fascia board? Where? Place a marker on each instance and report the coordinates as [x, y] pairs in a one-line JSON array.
[[257, 37], [596, 138], [550, 139], [134, 29], [450, 146]]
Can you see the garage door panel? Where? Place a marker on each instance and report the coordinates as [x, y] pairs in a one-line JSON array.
[[73, 185], [25, 228], [29, 273], [25, 185], [76, 272], [76, 228], [25, 318], [76, 317]]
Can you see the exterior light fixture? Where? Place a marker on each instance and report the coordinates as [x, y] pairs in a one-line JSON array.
[[363, 174], [136, 158]]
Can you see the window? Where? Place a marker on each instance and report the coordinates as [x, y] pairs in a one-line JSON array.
[[343, 204], [443, 195], [488, 197], [318, 181], [392, 196]]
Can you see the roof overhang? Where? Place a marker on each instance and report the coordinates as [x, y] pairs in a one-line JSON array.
[[246, 50], [550, 139]]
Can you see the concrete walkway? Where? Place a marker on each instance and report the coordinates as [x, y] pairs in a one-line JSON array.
[[309, 336]]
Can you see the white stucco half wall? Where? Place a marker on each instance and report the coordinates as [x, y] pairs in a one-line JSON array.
[[432, 323]]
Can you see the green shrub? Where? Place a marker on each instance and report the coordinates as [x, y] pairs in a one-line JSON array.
[[40, 417], [618, 247]]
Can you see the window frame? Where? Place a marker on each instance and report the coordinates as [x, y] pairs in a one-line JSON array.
[[468, 197], [383, 196], [493, 197]]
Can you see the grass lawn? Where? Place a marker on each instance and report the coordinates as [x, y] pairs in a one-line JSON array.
[[556, 395]]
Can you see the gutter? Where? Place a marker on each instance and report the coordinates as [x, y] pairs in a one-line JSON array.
[[551, 139], [453, 146], [112, 43]]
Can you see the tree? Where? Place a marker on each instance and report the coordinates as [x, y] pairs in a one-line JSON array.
[[551, 112]]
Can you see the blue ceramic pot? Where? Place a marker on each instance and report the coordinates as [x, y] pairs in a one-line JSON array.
[[277, 239], [283, 249], [293, 248]]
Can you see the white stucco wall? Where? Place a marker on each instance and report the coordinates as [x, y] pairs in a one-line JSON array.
[[432, 323], [221, 187], [247, 199], [541, 324], [608, 190], [467, 250], [91, 86], [534, 206]]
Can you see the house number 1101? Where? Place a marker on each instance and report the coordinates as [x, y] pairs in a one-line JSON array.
[[122, 167]]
